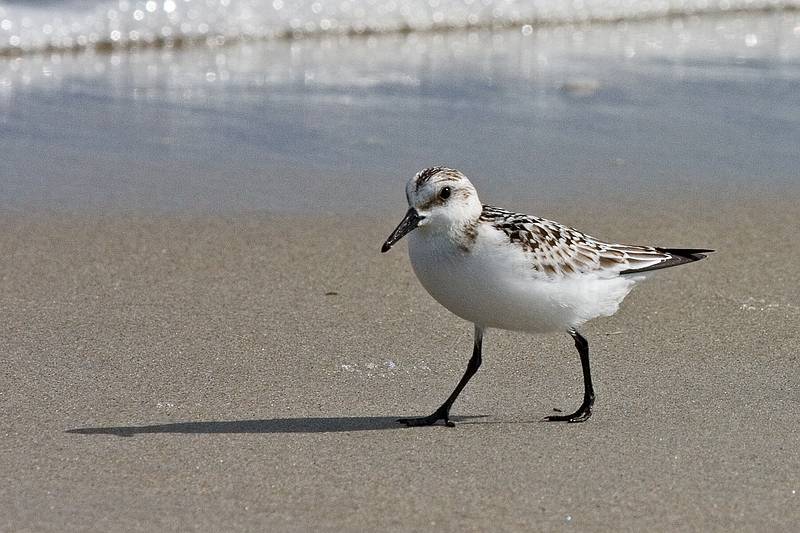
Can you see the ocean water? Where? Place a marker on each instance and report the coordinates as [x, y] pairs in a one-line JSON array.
[[294, 106]]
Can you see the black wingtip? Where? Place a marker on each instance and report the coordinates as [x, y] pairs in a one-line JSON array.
[[680, 256], [692, 254]]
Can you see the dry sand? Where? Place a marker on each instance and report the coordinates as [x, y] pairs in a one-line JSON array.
[[174, 373]]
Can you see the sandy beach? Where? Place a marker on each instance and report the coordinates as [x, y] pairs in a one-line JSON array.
[[243, 372]]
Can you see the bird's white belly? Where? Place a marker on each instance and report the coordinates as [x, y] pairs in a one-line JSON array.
[[493, 286]]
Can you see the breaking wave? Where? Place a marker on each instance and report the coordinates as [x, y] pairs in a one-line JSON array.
[[31, 26]]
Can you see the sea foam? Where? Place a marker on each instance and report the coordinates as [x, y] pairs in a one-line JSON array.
[[30, 26]]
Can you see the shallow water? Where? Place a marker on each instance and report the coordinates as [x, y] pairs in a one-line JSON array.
[[339, 123]]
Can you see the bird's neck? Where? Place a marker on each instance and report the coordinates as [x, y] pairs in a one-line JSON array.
[[459, 233]]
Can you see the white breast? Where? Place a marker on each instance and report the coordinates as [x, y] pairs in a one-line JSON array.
[[494, 284]]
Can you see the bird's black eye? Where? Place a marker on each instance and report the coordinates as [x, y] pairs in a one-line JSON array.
[[444, 194]]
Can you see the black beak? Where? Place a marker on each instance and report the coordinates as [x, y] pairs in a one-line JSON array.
[[409, 222]]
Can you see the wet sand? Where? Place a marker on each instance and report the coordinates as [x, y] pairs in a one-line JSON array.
[[243, 372]]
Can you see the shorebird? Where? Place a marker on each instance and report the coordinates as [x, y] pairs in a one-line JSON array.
[[499, 269]]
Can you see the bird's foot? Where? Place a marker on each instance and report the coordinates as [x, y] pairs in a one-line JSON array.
[[439, 414], [583, 414]]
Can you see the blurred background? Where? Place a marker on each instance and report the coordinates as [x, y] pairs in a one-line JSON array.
[[331, 105]]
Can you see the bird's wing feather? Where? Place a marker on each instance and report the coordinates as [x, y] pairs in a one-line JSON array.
[[558, 250]]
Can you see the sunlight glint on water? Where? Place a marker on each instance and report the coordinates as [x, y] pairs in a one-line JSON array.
[[32, 25]]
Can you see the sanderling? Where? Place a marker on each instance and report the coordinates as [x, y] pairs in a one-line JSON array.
[[499, 269]]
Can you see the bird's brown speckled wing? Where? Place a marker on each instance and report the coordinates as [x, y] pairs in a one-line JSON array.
[[558, 250]]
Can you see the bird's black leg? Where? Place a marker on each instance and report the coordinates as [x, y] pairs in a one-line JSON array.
[[443, 412], [585, 410]]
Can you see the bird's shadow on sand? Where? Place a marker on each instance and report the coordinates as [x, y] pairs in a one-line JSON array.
[[272, 425]]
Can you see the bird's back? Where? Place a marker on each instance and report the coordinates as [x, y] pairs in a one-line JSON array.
[[557, 250]]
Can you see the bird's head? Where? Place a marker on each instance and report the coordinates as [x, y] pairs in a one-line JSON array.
[[439, 199]]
